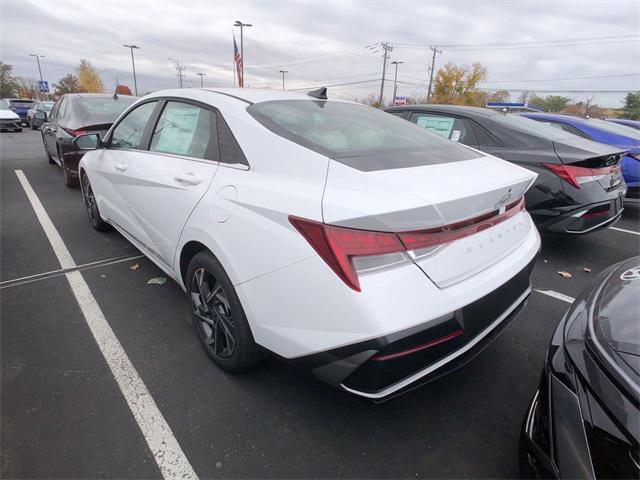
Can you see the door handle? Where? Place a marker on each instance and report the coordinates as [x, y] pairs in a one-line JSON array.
[[189, 177], [121, 166]]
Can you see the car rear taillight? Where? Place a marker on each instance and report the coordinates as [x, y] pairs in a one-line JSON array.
[[75, 133], [340, 246], [576, 176]]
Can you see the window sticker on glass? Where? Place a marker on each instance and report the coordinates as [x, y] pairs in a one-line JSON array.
[[440, 125], [455, 135], [175, 132]]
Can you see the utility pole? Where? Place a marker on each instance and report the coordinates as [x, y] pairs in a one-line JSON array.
[[238, 23], [283, 72], [179, 69], [433, 64], [133, 64], [387, 48], [395, 81], [202, 75], [38, 57]]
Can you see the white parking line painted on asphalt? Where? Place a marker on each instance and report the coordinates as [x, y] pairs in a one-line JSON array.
[[558, 295], [168, 454], [624, 230]]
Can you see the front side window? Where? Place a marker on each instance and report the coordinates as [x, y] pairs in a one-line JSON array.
[[451, 128], [186, 130], [129, 131]]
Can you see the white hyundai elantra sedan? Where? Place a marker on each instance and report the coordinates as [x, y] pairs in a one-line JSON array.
[[373, 252]]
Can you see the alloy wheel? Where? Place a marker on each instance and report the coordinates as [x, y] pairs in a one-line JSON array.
[[213, 316], [89, 199]]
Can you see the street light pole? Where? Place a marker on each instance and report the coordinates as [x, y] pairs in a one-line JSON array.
[[238, 23], [395, 81], [201, 79], [133, 64], [283, 72], [38, 57]]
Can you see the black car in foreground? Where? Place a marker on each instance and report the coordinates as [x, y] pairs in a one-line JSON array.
[[584, 420], [73, 115], [579, 186]]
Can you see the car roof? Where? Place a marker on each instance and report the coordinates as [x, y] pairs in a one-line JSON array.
[[247, 95], [446, 108], [95, 95]]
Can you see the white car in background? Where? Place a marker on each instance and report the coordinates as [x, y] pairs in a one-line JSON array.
[[373, 252], [10, 121]]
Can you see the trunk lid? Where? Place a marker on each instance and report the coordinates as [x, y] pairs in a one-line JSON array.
[[602, 159], [431, 196]]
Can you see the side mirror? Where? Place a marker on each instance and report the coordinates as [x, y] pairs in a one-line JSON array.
[[39, 115], [88, 141]]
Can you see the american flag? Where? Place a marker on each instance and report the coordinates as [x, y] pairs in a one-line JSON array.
[[237, 58]]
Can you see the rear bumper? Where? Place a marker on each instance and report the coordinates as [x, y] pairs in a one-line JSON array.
[[11, 124], [383, 367], [583, 218]]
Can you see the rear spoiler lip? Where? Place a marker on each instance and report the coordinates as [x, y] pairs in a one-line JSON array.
[[577, 155]]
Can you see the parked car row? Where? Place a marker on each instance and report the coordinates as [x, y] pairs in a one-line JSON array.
[[379, 251]]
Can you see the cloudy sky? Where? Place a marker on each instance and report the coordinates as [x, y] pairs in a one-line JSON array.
[[542, 45]]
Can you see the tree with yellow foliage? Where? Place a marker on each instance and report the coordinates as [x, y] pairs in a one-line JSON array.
[[458, 85], [88, 79]]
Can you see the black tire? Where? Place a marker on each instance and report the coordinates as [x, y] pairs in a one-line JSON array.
[[220, 321], [69, 180], [33, 125], [92, 207]]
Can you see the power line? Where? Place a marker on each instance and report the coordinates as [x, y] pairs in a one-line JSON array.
[[540, 43]]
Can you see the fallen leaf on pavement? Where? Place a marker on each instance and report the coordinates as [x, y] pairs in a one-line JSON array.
[[586, 269], [565, 274], [135, 266], [157, 281]]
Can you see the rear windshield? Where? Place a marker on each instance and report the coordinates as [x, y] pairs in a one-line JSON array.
[[47, 106], [346, 130], [106, 107], [21, 103], [532, 127], [614, 128]]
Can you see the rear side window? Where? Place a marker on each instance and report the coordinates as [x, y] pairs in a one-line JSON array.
[[22, 103], [230, 151], [62, 108], [129, 131], [452, 128], [186, 130]]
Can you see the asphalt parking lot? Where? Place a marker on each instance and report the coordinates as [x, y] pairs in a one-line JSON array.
[[63, 415]]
